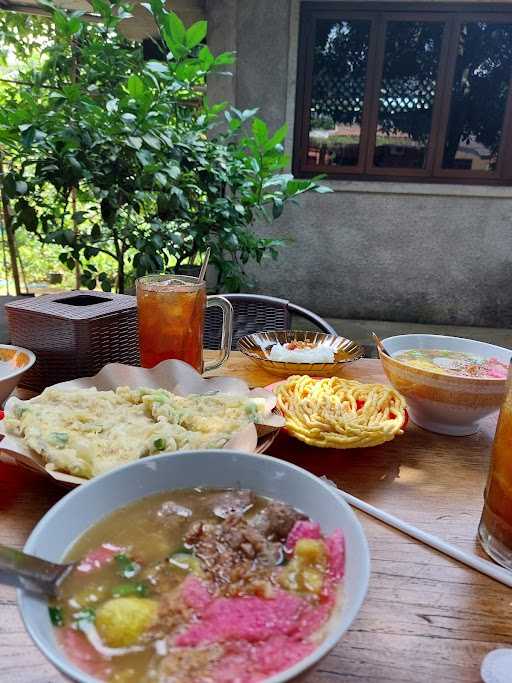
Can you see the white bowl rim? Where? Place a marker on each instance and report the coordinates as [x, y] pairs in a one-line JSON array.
[[478, 343], [18, 371], [62, 663]]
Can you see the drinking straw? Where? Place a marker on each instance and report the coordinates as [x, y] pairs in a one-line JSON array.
[[204, 265], [473, 561]]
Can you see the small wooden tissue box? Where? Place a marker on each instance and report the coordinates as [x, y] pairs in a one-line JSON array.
[[73, 334]]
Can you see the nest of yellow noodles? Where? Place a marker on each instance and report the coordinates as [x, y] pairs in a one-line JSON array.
[[340, 413]]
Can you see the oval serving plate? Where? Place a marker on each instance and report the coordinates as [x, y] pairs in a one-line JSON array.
[[173, 375], [254, 345]]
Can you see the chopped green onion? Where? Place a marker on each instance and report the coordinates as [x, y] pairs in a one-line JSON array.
[[84, 617], [60, 438], [125, 589], [56, 616], [158, 398], [183, 550], [160, 444], [128, 568]]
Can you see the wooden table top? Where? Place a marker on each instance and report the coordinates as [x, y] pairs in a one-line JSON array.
[[426, 618]]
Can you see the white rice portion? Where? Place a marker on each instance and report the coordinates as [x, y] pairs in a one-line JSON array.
[[318, 354]]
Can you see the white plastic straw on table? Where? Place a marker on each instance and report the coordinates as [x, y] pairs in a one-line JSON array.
[[473, 561]]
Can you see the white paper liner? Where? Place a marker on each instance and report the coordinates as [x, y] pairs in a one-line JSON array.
[[173, 375]]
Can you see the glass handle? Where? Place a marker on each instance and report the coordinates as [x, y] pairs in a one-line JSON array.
[[227, 329]]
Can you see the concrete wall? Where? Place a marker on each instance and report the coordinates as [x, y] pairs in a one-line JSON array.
[[386, 251]]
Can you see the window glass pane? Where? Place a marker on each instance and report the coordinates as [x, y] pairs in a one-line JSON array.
[[337, 96], [479, 95], [407, 91]]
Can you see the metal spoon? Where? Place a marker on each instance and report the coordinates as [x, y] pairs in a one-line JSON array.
[[379, 344], [31, 573]]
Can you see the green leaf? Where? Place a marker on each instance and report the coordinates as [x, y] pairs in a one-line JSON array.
[[206, 57], [21, 187], [152, 141], [28, 217], [278, 137], [196, 33], [157, 67], [112, 105], [74, 26], [127, 567], [225, 58], [135, 86], [248, 113], [56, 616], [96, 232], [260, 131], [277, 207], [79, 217], [134, 142], [144, 156], [125, 589], [173, 172], [102, 7], [28, 137], [161, 179], [61, 22], [175, 27]]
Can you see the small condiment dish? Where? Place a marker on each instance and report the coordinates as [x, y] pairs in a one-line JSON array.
[[442, 403]]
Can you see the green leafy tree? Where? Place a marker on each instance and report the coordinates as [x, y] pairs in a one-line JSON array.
[[112, 155]]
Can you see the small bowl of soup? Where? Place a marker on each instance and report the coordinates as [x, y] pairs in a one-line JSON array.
[[210, 565], [450, 383]]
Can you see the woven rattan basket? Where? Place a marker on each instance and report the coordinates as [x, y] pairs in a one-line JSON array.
[[74, 334]]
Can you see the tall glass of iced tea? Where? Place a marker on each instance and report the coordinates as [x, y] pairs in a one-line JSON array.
[[171, 320], [495, 530]]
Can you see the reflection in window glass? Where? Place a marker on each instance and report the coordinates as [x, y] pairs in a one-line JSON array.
[[339, 76], [479, 95], [407, 90]]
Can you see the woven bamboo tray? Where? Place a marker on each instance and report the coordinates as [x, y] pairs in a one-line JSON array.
[[74, 334]]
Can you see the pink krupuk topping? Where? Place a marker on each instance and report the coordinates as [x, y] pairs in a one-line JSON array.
[[82, 653], [302, 529], [99, 557]]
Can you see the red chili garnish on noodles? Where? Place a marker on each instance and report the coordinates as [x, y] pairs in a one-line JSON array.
[[360, 403], [2, 414]]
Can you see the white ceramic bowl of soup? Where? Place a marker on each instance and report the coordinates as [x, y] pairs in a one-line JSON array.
[[14, 363], [443, 403], [266, 476]]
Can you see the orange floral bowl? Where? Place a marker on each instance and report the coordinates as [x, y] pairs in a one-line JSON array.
[[14, 362], [439, 402]]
